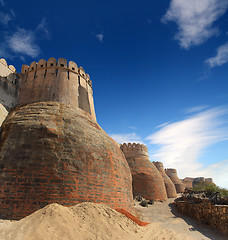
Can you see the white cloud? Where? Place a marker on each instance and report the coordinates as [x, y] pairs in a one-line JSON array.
[[195, 19], [220, 58], [23, 42], [5, 18], [181, 143], [100, 37], [196, 109], [127, 138]]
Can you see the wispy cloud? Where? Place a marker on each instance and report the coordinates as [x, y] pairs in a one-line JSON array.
[[23, 42], [196, 109], [2, 2], [5, 18], [181, 143], [162, 125], [43, 28], [220, 58], [127, 138], [195, 19], [100, 37]]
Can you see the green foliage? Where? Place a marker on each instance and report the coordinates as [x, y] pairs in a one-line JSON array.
[[210, 188]]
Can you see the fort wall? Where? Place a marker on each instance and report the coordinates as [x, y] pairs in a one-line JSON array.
[[172, 174], [57, 81], [169, 185], [146, 179], [8, 85]]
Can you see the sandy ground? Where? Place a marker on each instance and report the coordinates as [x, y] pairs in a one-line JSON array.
[[172, 220], [90, 221]]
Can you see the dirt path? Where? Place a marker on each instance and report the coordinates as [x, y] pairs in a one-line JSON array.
[[172, 220]]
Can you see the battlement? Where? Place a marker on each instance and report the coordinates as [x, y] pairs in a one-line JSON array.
[[57, 81], [52, 66], [159, 165], [6, 70], [171, 170], [131, 149]]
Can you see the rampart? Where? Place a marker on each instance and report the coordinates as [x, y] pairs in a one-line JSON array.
[[57, 81], [8, 85], [172, 174], [146, 179], [169, 185]]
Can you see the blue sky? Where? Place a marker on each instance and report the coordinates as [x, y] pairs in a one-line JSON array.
[[159, 70]]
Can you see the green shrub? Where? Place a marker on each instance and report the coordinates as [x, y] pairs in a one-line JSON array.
[[210, 188]]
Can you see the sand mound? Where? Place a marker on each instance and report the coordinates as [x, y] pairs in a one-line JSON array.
[[84, 221]]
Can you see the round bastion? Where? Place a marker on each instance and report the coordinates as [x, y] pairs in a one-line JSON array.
[[172, 174], [146, 179], [169, 185]]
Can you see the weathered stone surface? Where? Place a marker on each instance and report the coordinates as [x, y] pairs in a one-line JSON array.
[[51, 152], [172, 174], [146, 179], [169, 185], [3, 114], [214, 215]]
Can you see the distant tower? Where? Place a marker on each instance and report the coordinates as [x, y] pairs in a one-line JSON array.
[[56, 81], [147, 180], [172, 174], [169, 185]]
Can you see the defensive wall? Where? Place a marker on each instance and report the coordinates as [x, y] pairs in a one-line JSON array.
[[54, 80], [146, 179], [172, 174], [191, 182], [8, 85], [169, 185]]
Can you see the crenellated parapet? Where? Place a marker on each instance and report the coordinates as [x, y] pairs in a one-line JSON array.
[[53, 66], [58, 81], [134, 149], [5, 69]]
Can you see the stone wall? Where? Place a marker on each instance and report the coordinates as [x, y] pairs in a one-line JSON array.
[[3, 114], [51, 152], [8, 87], [214, 215], [169, 185], [146, 179], [172, 174], [57, 81]]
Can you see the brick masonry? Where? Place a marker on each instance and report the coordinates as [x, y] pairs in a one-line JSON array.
[[51, 152], [169, 185], [146, 179], [172, 174]]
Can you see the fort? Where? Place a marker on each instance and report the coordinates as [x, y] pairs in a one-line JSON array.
[[169, 185], [146, 179], [57, 81], [172, 174], [51, 147]]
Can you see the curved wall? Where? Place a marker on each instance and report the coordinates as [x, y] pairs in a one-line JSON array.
[[146, 179]]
